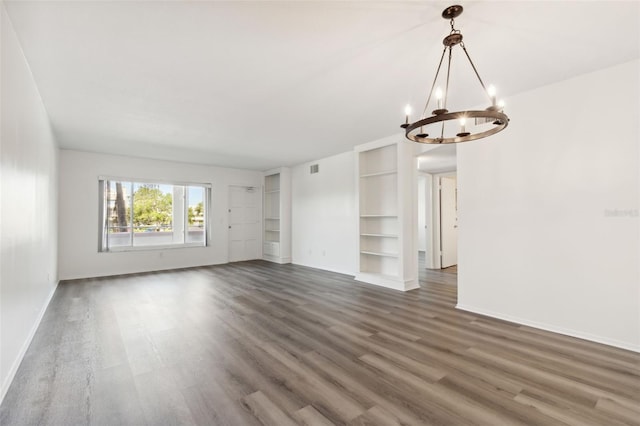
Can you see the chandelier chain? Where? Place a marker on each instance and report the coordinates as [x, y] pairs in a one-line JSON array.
[[474, 67], [446, 87]]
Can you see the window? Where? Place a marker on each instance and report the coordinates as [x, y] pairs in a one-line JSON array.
[[135, 215]]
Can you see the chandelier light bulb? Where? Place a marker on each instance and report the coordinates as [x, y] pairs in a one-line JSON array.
[[491, 90], [463, 121], [463, 131], [439, 97], [407, 110], [501, 103]]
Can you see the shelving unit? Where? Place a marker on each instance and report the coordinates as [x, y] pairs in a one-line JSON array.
[[381, 246], [277, 216]]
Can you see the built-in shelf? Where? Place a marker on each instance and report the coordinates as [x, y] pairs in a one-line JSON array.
[[378, 228], [386, 172], [277, 216]]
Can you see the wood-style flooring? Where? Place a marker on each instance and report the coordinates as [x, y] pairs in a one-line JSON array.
[[259, 343]]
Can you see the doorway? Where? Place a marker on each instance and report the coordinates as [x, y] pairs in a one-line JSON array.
[[448, 222], [244, 223], [437, 207]]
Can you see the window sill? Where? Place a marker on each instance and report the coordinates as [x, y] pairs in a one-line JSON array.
[[152, 248]]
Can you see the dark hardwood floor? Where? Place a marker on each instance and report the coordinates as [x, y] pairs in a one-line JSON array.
[[259, 343]]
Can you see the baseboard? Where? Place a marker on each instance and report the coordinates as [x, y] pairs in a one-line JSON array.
[[387, 281], [16, 364], [337, 271], [552, 328], [276, 259]]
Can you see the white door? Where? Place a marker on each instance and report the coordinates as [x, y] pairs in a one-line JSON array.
[[448, 222], [422, 215], [244, 223]]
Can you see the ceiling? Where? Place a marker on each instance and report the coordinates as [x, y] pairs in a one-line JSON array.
[[260, 84]]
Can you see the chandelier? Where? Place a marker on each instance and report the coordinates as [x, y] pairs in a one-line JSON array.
[[443, 126]]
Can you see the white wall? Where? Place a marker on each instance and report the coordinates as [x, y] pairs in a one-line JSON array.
[[28, 214], [79, 171], [538, 243], [324, 214]]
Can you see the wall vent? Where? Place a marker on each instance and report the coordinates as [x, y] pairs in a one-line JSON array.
[[483, 120], [314, 168]]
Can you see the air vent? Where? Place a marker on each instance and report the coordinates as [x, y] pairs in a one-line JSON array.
[[484, 120], [314, 168]]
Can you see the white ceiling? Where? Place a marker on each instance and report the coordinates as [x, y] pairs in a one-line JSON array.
[[261, 84]]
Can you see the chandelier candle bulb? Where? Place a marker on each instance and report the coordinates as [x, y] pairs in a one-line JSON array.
[[439, 97], [463, 131], [491, 90], [407, 112]]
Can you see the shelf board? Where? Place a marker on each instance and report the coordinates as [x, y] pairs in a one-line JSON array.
[[271, 218], [375, 253], [380, 235], [272, 191], [386, 172], [378, 215], [271, 230]]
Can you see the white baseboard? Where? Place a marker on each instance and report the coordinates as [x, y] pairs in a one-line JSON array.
[[323, 268], [387, 281], [549, 327], [16, 363], [276, 259]]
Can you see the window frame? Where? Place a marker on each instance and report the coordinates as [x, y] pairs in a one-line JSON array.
[[103, 216]]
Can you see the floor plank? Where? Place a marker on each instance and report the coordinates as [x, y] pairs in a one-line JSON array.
[[255, 343]]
